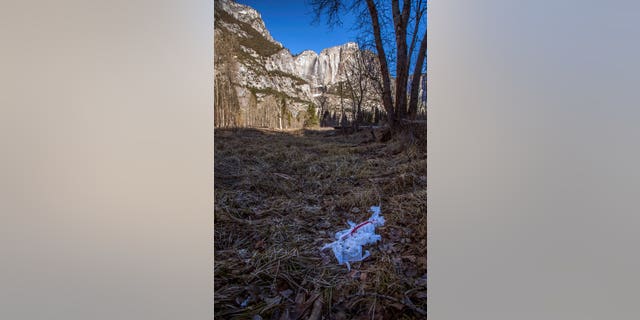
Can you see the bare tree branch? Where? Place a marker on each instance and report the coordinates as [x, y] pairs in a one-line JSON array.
[[417, 73]]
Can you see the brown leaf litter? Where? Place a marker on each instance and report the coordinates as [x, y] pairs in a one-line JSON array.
[[279, 196]]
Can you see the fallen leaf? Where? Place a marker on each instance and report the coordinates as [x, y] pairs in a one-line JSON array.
[[285, 315], [421, 282], [398, 306], [301, 308], [272, 301], [340, 315], [410, 258], [286, 293], [411, 272], [317, 309]]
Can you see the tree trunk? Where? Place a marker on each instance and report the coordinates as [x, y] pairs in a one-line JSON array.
[[342, 116], [416, 28], [400, 20], [417, 73], [384, 68]]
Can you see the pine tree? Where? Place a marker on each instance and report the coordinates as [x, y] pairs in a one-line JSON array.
[[311, 117]]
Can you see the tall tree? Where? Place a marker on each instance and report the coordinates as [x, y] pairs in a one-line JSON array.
[[356, 75], [343, 117], [311, 116], [322, 101], [282, 112]]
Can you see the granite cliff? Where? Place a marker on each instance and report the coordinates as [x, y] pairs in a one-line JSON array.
[[263, 72]]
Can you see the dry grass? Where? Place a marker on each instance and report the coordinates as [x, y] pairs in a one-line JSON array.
[[280, 196]]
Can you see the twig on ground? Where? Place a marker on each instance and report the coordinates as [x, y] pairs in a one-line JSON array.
[[283, 176], [317, 309]]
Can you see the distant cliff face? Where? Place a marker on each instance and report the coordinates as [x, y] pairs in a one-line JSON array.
[[326, 68], [265, 67]]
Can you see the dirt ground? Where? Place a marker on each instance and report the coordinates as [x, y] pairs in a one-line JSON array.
[[280, 196]]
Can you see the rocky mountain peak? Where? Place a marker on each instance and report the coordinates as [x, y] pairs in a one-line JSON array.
[[349, 46], [306, 53], [247, 15]]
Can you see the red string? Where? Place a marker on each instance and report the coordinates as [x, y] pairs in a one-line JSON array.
[[356, 229]]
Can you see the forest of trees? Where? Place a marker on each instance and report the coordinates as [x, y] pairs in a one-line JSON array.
[[226, 104]]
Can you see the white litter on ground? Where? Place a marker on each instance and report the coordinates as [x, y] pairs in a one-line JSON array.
[[348, 245]]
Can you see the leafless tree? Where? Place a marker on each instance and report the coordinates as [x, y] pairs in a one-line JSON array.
[[408, 23], [323, 104], [344, 122], [270, 112], [252, 108], [361, 74], [357, 85]]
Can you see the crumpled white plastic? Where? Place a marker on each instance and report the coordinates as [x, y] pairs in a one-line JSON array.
[[348, 245]]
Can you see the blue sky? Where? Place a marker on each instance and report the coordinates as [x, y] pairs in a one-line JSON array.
[[291, 23]]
